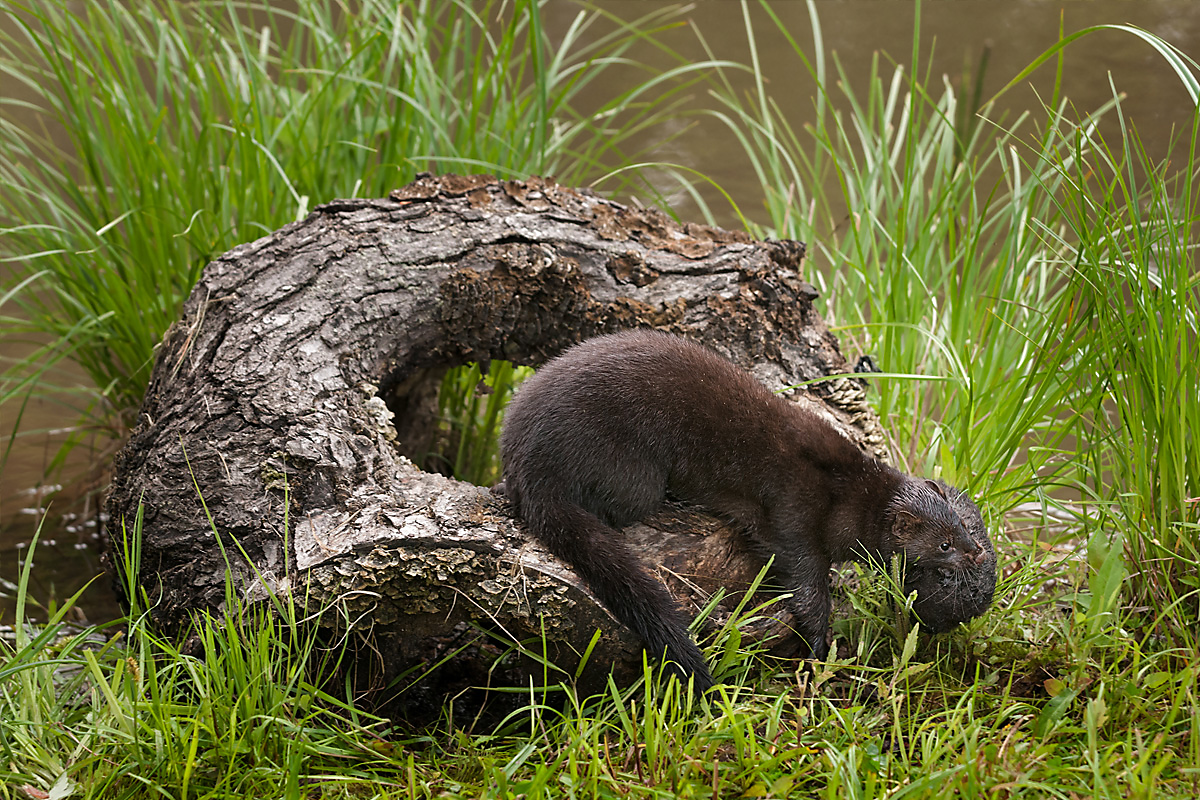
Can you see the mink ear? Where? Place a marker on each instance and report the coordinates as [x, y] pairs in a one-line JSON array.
[[937, 488], [905, 524]]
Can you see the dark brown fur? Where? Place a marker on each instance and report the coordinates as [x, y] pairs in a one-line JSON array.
[[597, 437]]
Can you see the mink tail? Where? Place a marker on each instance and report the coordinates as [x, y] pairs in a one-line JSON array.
[[615, 575]]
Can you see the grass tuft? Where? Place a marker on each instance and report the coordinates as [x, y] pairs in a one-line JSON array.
[[161, 135]]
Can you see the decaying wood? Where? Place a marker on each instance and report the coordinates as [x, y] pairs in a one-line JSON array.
[[303, 369]]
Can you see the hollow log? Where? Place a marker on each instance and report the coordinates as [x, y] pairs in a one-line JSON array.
[[287, 400]]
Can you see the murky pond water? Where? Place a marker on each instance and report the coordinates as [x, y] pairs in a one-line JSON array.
[[953, 33]]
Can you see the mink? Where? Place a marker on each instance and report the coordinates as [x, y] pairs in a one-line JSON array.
[[599, 436]]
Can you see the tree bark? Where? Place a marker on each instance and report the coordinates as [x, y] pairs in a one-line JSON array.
[[285, 399]]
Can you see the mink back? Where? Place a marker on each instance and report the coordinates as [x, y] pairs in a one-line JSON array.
[[613, 421]]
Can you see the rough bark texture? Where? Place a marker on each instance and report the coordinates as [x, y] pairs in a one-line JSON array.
[[300, 356]]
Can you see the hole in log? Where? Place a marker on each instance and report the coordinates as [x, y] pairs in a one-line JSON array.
[[448, 419]]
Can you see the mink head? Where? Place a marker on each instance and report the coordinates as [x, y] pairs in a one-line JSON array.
[[949, 559], [933, 530]]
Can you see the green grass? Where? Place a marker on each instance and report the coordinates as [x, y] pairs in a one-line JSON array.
[[244, 710], [470, 407], [1138, 288], [1040, 279], [89, 713], [193, 127]]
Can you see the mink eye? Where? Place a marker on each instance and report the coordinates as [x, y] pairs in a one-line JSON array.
[[945, 546]]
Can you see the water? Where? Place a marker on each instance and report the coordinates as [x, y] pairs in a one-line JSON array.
[[953, 33]]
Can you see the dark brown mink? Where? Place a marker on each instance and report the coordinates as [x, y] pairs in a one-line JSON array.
[[598, 437]]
